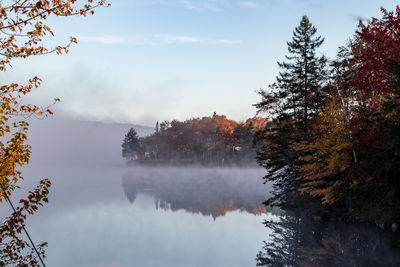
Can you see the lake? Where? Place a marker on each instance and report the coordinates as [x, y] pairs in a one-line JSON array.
[[143, 216], [138, 216]]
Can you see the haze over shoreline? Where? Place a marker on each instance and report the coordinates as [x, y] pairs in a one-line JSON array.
[[77, 142]]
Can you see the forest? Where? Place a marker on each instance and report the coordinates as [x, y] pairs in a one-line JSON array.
[[211, 141], [327, 130], [334, 144], [327, 133]]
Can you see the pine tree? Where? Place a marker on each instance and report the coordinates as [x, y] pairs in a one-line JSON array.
[[293, 101], [130, 145], [298, 92]]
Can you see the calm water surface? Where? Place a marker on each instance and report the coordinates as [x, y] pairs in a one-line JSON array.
[[141, 216], [150, 216]]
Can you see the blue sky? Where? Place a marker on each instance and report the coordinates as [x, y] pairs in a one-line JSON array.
[[140, 61]]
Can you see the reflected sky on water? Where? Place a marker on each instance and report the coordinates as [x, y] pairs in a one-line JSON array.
[[92, 220], [141, 216]]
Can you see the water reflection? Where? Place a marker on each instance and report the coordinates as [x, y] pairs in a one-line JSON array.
[[89, 220], [300, 240], [206, 191]]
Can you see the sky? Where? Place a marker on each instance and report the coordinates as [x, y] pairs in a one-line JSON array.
[[142, 61]]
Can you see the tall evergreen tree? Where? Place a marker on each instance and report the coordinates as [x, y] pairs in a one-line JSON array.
[[298, 91], [130, 145], [292, 102]]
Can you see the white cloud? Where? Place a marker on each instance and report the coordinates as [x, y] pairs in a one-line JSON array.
[[223, 41], [172, 39], [155, 39], [107, 39], [247, 4], [177, 39], [212, 5]]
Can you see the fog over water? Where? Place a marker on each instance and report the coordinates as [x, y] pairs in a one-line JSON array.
[[207, 191], [91, 219], [79, 143], [104, 213]]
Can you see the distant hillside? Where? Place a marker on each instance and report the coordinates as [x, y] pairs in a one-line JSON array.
[[73, 142]]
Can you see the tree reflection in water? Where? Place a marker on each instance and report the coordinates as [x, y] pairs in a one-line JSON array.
[[207, 191], [301, 240]]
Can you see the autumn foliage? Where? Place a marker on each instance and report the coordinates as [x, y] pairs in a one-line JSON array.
[[212, 140], [14, 250], [23, 29], [349, 157]]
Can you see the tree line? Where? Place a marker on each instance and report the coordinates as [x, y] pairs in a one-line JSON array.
[[213, 140], [334, 142]]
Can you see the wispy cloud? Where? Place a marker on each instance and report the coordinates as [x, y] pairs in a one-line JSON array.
[[178, 39], [106, 39], [212, 5], [161, 39], [209, 5], [220, 5], [216, 5], [155, 39], [247, 4]]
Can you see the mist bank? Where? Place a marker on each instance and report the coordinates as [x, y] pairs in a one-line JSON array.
[[199, 190], [72, 142], [89, 211]]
